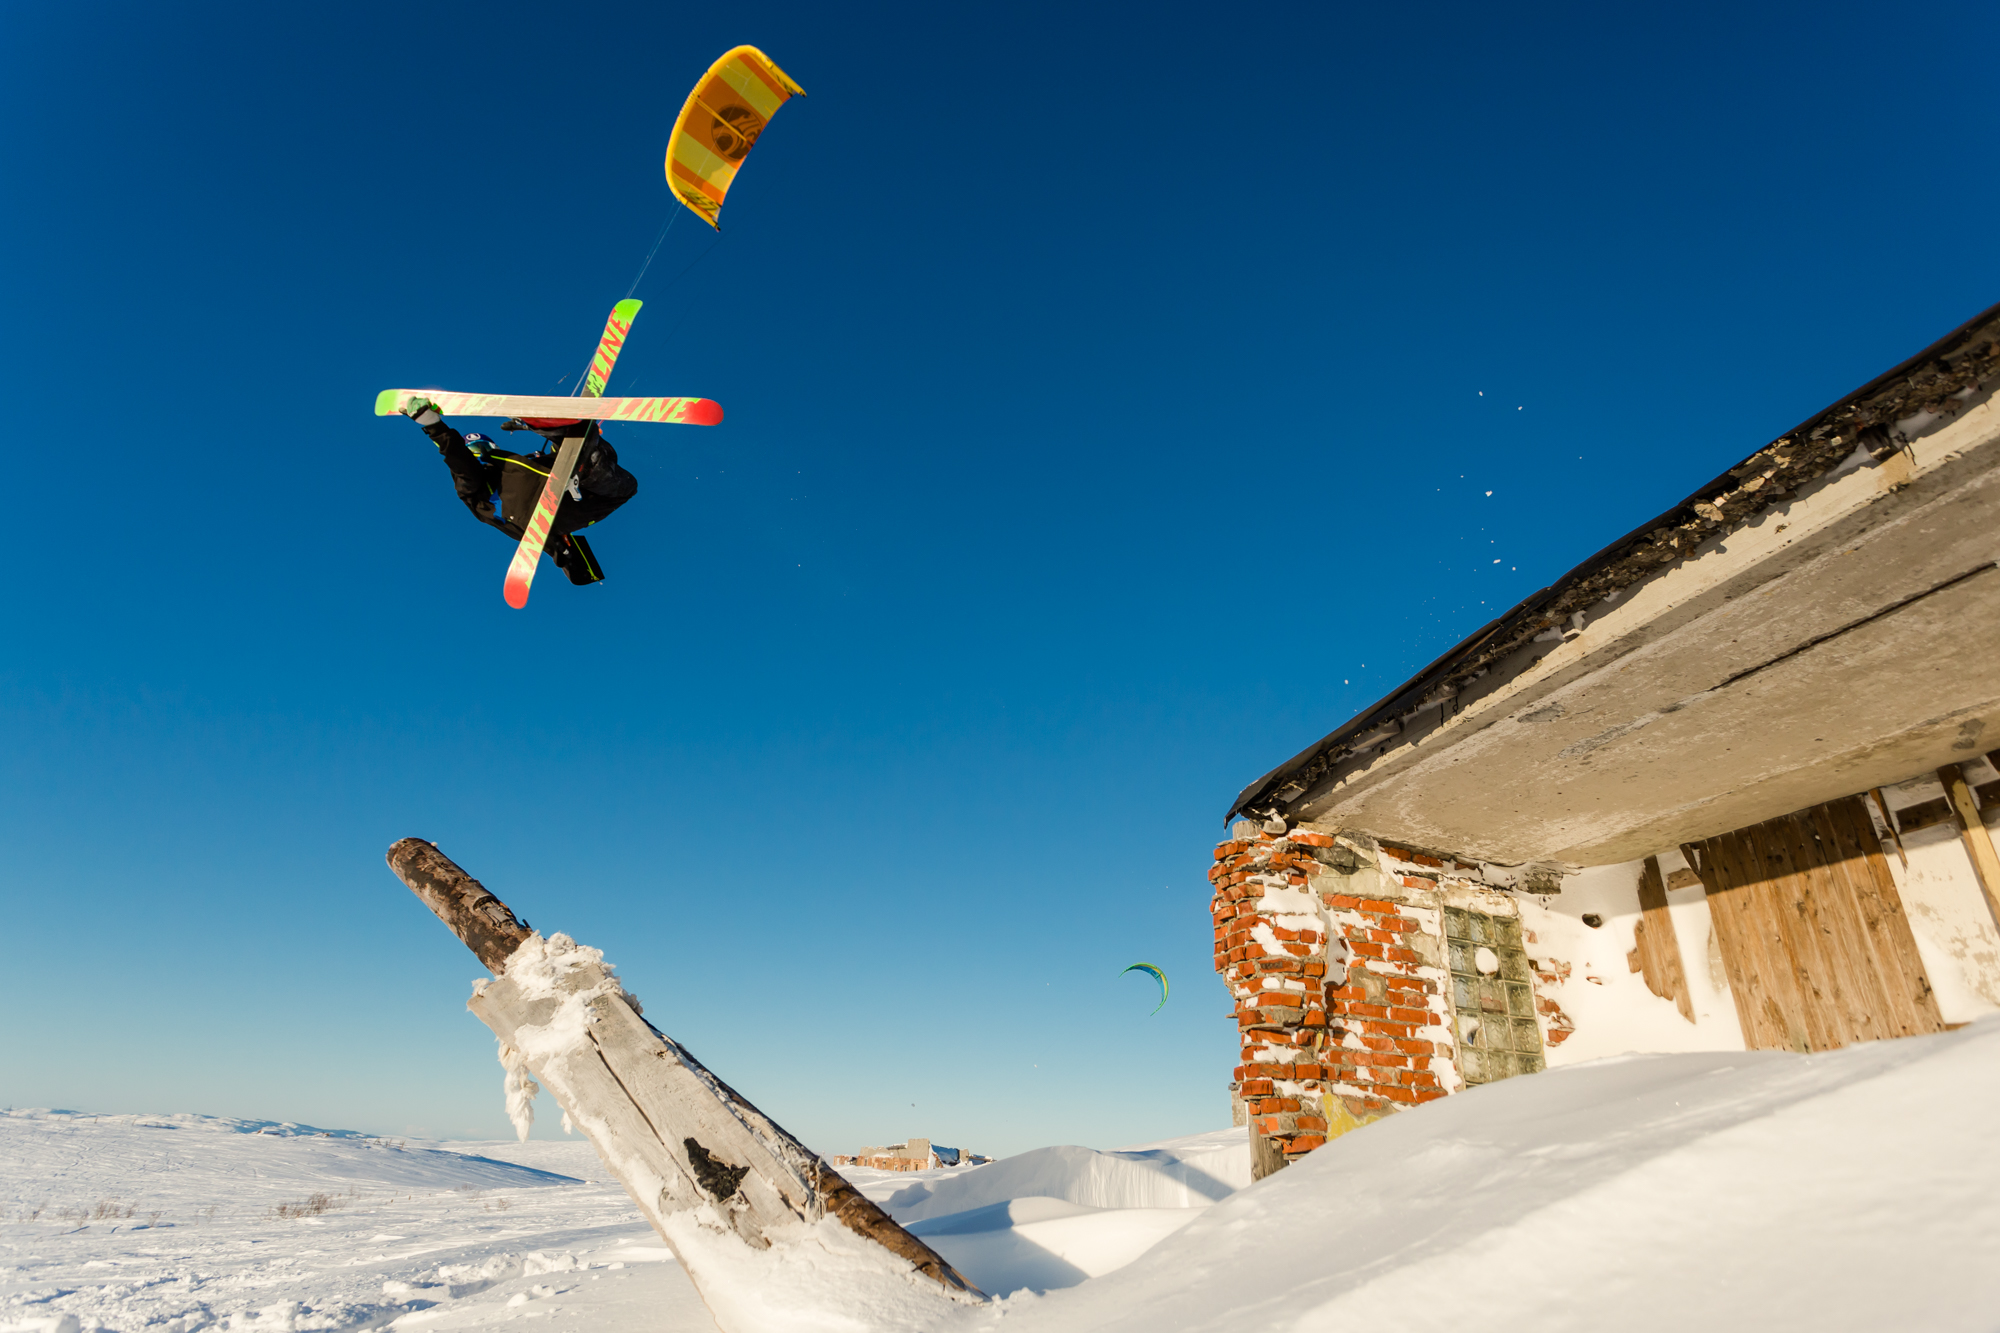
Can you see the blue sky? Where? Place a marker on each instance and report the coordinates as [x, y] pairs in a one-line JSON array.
[[1105, 424]]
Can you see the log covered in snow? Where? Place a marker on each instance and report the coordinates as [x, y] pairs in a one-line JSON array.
[[772, 1236]]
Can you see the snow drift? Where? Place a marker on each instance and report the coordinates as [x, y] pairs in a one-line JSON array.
[[1850, 1190], [1056, 1217], [1191, 1172]]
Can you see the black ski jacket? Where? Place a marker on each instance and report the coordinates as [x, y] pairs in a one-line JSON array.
[[501, 490]]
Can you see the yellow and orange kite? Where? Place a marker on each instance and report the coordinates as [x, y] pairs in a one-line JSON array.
[[719, 125]]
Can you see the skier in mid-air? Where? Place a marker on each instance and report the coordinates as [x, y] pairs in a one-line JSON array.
[[502, 488]]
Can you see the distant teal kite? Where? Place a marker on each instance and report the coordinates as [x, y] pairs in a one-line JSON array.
[[1157, 975]]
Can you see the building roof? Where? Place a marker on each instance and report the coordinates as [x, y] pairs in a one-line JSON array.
[[1547, 644]]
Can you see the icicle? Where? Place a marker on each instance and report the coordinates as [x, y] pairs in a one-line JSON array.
[[521, 1091]]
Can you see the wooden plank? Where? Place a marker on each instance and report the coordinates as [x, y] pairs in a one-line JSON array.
[[1912, 818], [1889, 822], [1972, 832], [1908, 1005], [1759, 987], [1812, 932], [1866, 1006], [1779, 896], [1657, 950], [1834, 969]]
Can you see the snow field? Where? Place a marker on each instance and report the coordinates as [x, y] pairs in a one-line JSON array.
[[1726, 1190], [413, 1235]]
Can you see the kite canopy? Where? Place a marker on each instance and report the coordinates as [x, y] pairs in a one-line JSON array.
[[1157, 975], [719, 126]]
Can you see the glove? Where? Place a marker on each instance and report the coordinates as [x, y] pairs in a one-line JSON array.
[[422, 411]]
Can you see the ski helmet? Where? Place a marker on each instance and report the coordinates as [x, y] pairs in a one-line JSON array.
[[481, 445]]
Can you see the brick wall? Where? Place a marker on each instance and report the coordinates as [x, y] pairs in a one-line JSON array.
[[1332, 946], [1270, 946]]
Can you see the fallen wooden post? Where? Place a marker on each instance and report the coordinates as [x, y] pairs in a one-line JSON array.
[[772, 1236]]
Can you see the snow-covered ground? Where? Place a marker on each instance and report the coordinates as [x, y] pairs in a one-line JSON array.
[[1853, 1190], [173, 1223]]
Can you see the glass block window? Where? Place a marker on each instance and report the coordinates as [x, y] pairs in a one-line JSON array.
[[1494, 1004]]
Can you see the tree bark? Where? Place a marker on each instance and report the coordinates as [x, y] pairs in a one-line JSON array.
[[474, 914]]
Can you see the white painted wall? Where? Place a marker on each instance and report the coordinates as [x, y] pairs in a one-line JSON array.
[[1613, 1011], [1615, 1014], [1956, 935]]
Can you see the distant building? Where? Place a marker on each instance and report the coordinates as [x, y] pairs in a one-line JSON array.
[[911, 1155], [1746, 752]]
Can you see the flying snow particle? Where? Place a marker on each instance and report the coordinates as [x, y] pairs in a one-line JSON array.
[[1496, 562], [1489, 492]]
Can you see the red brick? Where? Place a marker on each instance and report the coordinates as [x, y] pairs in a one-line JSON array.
[[1418, 1016], [1253, 1087], [1368, 1010], [1340, 900], [1304, 1143], [1416, 1047]]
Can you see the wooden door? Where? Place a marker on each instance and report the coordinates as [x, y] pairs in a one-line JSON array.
[[1812, 932]]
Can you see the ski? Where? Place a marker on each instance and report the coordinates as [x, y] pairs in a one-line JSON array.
[[528, 555], [609, 346], [675, 411]]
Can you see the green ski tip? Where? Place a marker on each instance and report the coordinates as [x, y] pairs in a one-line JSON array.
[[388, 403], [626, 309]]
